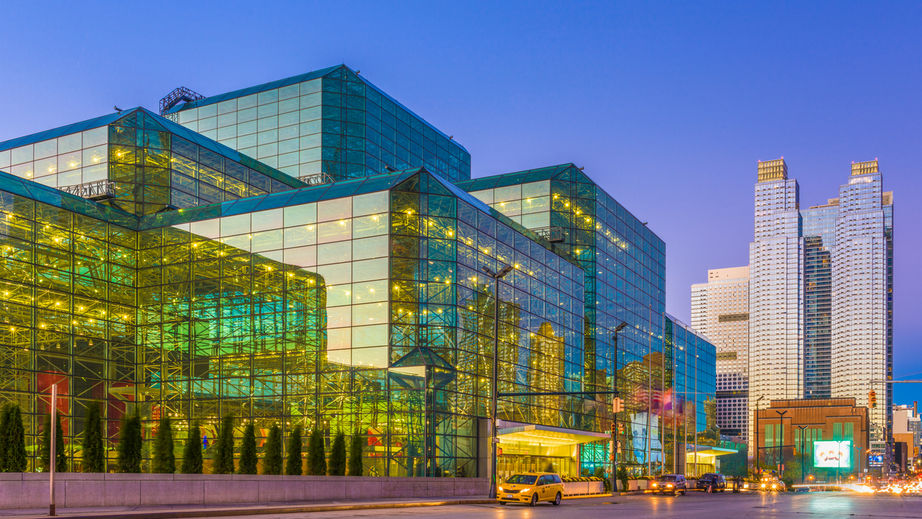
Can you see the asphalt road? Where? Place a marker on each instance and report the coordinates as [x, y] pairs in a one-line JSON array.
[[824, 505]]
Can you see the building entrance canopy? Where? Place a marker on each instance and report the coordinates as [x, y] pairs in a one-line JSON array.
[[544, 435]]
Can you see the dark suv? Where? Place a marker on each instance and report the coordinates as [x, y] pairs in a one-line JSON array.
[[716, 481], [669, 484]]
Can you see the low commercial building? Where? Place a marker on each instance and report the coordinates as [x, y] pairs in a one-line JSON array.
[[823, 438]]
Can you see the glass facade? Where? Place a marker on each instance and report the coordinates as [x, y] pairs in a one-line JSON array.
[[624, 266], [819, 230], [151, 164], [330, 121], [190, 280]]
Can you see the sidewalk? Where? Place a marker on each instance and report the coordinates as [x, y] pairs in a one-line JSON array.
[[163, 512]]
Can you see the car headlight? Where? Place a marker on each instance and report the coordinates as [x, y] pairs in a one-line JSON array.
[[500, 489], [746, 485], [654, 485], [524, 490], [669, 485], [763, 485], [774, 486]]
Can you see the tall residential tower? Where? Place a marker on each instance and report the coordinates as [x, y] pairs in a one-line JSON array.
[[821, 293]]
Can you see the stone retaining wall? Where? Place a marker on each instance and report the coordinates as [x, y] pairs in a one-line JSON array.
[[30, 490]]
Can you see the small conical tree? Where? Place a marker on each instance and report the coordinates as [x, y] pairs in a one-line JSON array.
[[224, 450], [316, 459], [164, 461], [60, 455], [94, 457], [293, 462], [338, 455], [272, 462], [355, 454], [248, 460], [4, 425], [15, 439], [129, 444], [192, 451]]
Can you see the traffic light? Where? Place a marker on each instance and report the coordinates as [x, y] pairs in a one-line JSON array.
[[617, 405], [872, 399]]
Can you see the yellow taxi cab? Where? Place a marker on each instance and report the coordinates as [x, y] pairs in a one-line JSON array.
[[530, 488]]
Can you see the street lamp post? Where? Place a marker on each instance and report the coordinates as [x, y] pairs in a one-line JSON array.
[[803, 447], [756, 468], [781, 442], [614, 413], [496, 276]]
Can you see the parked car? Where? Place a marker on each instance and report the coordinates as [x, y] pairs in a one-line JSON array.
[[530, 488], [669, 484], [717, 482]]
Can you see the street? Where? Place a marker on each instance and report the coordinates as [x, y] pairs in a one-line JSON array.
[[826, 505]]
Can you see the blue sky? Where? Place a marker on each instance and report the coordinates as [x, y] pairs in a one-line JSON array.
[[668, 105]]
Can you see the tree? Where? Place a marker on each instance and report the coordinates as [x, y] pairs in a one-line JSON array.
[[4, 425], [59, 454], [355, 454], [129, 444], [164, 461], [316, 460], [14, 438], [248, 460], [224, 450], [293, 463], [338, 455], [94, 456], [192, 451], [272, 462]]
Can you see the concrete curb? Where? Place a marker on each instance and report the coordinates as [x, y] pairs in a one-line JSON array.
[[260, 510]]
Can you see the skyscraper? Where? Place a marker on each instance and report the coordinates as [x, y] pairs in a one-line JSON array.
[[775, 289], [720, 311], [862, 293], [821, 292]]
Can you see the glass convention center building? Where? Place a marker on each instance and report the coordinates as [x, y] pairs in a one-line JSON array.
[[309, 252]]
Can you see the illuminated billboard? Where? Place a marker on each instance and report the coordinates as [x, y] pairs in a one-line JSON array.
[[832, 454]]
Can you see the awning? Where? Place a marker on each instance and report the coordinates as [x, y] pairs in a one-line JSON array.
[[545, 435]]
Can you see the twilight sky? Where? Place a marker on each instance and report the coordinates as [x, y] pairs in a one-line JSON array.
[[667, 105]]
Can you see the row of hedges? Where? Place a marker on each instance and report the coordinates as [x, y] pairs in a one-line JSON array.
[[13, 456]]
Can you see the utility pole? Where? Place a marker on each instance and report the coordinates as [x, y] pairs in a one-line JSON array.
[[53, 458], [803, 447], [615, 409], [781, 442], [756, 468], [494, 393]]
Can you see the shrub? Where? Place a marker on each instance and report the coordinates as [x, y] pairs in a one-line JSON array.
[[338, 455], [272, 462], [129, 445], [164, 461], [248, 460], [192, 451], [94, 456], [293, 463], [355, 455], [316, 460], [224, 450], [59, 454], [623, 478]]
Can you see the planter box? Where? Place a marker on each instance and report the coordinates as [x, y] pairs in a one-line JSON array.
[[30, 490]]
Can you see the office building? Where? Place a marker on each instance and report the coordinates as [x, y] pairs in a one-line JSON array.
[[720, 311]]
